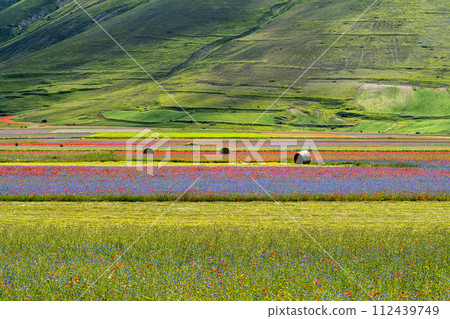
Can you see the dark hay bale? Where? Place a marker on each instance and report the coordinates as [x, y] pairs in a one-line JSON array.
[[149, 151], [302, 157], [225, 151]]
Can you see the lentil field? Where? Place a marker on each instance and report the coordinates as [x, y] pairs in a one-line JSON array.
[[223, 183], [370, 223], [225, 251]]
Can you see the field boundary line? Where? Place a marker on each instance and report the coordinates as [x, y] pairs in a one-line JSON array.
[[315, 61], [139, 238], [313, 239], [135, 61]]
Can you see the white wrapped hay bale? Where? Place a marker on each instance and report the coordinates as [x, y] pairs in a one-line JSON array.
[[302, 157]]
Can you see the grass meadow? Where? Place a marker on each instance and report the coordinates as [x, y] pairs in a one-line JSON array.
[[224, 251], [404, 100]]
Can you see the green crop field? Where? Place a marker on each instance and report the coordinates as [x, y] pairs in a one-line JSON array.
[[154, 116], [429, 126], [187, 134], [405, 100], [370, 126], [224, 251], [238, 118]]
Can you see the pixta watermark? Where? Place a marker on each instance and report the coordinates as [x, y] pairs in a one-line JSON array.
[[142, 147]]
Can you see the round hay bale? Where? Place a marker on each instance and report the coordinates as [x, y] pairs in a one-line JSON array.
[[298, 159], [225, 151], [302, 157], [149, 151]]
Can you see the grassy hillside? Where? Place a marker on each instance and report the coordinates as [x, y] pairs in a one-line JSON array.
[[6, 3], [404, 100], [16, 18], [225, 61]]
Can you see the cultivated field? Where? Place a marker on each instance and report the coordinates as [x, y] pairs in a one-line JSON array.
[[371, 222], [225, 251]]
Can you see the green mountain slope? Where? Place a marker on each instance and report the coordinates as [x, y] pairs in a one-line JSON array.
[[18, 17], [7, 3], [226, 62]]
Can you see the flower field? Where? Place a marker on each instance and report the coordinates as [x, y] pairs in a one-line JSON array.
[[411, 158], [108, 144], [225, 183], [370, 158], [372, 223], [224, 251]]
